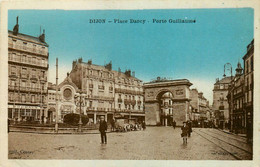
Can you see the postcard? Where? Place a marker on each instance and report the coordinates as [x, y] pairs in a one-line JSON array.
[[94, 83]]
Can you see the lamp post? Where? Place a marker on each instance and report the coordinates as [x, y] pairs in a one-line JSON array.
[[227, 66], [80, 103]]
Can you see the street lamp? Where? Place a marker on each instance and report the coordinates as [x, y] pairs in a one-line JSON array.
[[229, 67], [80, 103]]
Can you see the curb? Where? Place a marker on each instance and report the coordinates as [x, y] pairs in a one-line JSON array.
[[59, 133], [231, 133]]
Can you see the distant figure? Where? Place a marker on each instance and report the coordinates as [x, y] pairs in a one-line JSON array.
[[103, 129], [8, 124], [174, 124], [184, 133], [189, 128], [113, 124], [143, 125]]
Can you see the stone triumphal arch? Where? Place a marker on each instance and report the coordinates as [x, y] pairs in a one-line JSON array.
[[178, 96]]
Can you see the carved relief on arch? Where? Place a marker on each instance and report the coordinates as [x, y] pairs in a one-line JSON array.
[[160, 92]]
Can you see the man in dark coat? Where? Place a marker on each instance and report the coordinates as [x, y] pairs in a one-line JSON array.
[[174, 124], [103, 129], [143, 125], [184, 132]]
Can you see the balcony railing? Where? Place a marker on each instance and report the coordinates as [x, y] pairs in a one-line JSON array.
[[28, 49], [126, 91]]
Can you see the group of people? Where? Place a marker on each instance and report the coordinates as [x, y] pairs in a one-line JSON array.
[[103, 128], [186, 130]]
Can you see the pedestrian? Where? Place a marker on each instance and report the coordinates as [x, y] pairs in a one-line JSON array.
[[103, 129], [113, 124], [143, 125], [184, 132], [174, 124], [8, 124]]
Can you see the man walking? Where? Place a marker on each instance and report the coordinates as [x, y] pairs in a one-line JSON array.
[[174, 124], [103, 129]]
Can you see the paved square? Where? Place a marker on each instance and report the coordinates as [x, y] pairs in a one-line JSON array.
[[159, 143]]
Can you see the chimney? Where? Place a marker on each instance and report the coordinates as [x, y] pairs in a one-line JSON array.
[[74, 64], [89, 62], [133, 74], [16, 27], [42, 36]]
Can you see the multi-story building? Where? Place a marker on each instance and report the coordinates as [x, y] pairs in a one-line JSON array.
[[249, 87], [236, 102], [167, 109], [27, 71], [199, 107], [220, 102], [109, 93]]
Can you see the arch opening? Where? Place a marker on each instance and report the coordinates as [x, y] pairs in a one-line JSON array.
[[165, 100]]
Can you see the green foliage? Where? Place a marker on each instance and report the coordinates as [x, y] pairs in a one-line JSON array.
[[73, 119]]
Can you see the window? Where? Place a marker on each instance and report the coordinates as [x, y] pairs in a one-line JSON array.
[[23, 97], [221, 86], [34, 60], [12, 83], [247, 67], [23, 84], [24, 45], [119, 106], [252, 64], [34, 47], [90, 104], [33, 98], [29, 59], [42, 74], [24, 58], [13, 70], [43, 62]]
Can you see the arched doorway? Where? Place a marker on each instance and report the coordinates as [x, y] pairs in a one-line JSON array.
[[165, 99], [51, 111]]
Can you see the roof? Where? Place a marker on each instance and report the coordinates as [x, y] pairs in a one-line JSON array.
[[28, 38], [68, 81], [116, 73], [224, 80]]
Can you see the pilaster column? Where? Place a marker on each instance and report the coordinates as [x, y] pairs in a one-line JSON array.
[[95, 118], [19, 115]]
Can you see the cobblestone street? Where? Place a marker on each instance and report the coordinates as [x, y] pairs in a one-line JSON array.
[[154, 143]]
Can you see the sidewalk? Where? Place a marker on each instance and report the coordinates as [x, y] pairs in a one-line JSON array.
[[227, 131]]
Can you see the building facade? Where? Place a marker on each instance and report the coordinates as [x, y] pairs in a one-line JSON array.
[[241, 95], [27, 76], [200, 111], [249, 88], [220, 102], [167, 109], [236, 102], [109, 93]]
